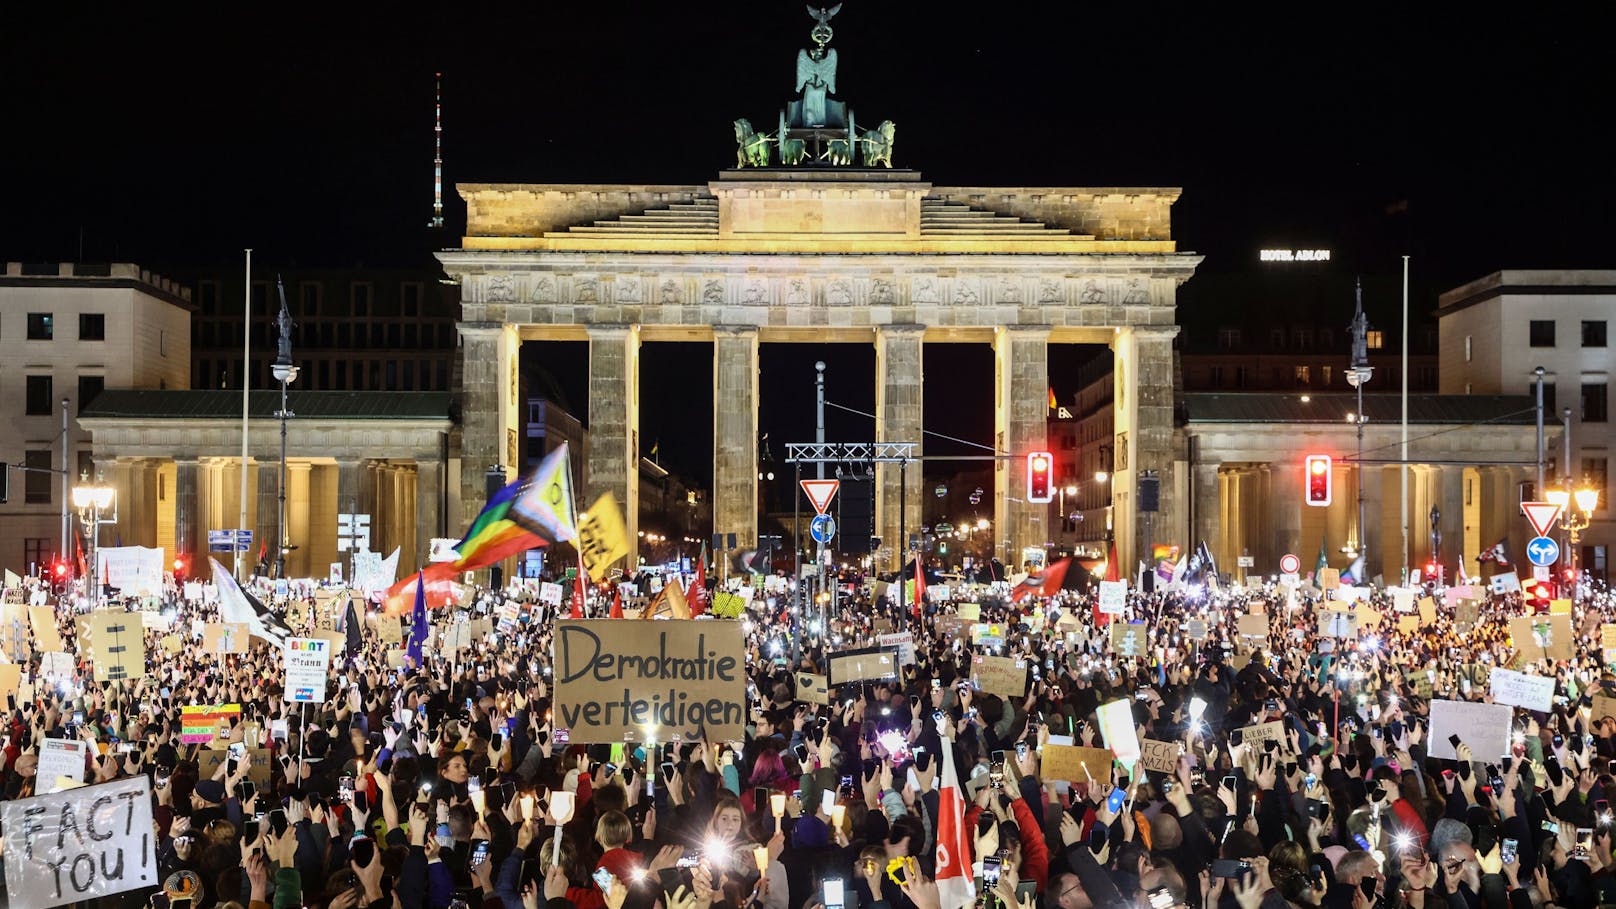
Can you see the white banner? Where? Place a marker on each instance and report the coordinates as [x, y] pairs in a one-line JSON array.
[[1484, 727], [1113, 597], [132, 569], [550, 593], [79, 845], [1118, 731], [1521, 690], [308, 660], [57, 666], [60, 758], [904, 641]]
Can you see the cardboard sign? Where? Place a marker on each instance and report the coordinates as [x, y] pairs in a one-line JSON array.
[[1559, 607], [79, 845], [10, 679], [389, 630], [200, 725], [602, 537], [987, 635], [258, 764], [866, 665], [1427, 610], [1408, 623], [1484, 727], [46, 637], [969, 611], [1159, 756], [811, 689], [1000, 675], [1253, 627], [1466, 613], [685, 677], [1338, 625], [1076, 764], [308, 660], [1272, 731], [1113, 597], [1520, 690], [61, 759], [14, 623], [225, 637], [1128, 640], [1604, 707], [1537, 637], [1607, 637], [1118, 731], [903, 642], [120, 652], [1329, 579]]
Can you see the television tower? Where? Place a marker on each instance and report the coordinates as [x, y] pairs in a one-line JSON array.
[[437, 157]]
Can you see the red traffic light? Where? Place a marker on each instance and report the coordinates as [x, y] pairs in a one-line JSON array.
[[1039, 487], [1318, 479]]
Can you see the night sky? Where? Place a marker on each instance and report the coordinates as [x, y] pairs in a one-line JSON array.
[[174, 139]]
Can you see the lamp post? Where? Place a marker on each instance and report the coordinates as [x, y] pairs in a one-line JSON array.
[[1436, 540], [1576, 513], [284, 373], [91, 500], [1358, 373]]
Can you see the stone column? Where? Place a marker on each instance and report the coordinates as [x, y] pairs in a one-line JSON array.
[[298, 563], [353, 497], [735, 433], [428, 513], [188, 517], [899, 417], [1021, 421], [269, 518], [1286, 508], [1143, 418], [1208, 508], [489, 409], [613, 464]]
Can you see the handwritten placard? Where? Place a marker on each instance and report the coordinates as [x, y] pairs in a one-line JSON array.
[[1076, 764], [1484, 727], [1159, 756], [1260, 733], [1128, 640], [1000, 675], [811, 689], [1521, 690]]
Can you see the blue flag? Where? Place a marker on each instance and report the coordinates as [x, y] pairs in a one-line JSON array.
[[418, 632]]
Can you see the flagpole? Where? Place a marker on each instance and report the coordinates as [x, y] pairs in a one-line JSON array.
[[246, 382], [1403, 467]]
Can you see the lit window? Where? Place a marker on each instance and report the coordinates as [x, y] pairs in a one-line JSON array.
[[1375, 339], [1304, 375]]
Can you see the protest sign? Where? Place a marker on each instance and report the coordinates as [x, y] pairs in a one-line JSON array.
[[685, 677], [1607, 637], [1000, 675], [971, 611], [550, 592], [132, 570], [1195, 629], [57, 666], [1272, 731], [1329, 579], [1521, 690], [258, 763], [1159, 756], [811, 689], [1427, 610], [79, 845], [1253, 626], [1117, 730], [1113, 597], [156, 620], [1408, 623], [1402, 599], [1466, 613], [120, 653], [867, 664], [602, 537], [46, 637], [1076, 764], [200, 725], [951, 626], [59, 759], [10, 679], [1539, 637], [389, 630], [1338, 624], [987, 635], [903, 642], [1484, 727], [14, 632], [225, 637], [1604, 708], [307, 662], [1128, 640], [1506, 582]]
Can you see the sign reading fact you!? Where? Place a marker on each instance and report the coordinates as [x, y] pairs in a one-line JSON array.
[[626, 681], [80, 844]]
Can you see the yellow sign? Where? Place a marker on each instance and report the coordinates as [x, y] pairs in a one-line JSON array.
[[1559, 607], [602, 537]]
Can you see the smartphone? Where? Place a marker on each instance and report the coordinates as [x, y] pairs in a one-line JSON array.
[[1230, 868], [936, 684], [667, 770], [1163, 898], [249, 830], [498, 741], [277, 821], [345, 790], [1115, 800], [1509, 851], [1559, 740], [1232, 783], [1585, 843], [602, 876], [361, 802], [179, 902], [992, 869], [363, 849], [1454, 740], [833, 894]]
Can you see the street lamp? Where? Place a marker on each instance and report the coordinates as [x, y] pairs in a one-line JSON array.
[[91, 500], [1574, 520], [284, 373]]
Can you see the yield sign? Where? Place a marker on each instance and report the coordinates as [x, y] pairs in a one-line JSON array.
[[820, 492], [1541, 515]]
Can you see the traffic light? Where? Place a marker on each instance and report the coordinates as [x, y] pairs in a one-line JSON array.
[[1318, 480], [1039, 487], [179, 570], [1542, 596]]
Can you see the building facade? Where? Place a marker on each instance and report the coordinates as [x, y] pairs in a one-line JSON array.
[[1497, 330], [68, 331]]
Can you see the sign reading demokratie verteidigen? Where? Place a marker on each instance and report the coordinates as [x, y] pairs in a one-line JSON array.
[[621, 681]]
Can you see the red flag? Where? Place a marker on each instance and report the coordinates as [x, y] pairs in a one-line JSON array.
[[1046, 583], [580, 590], [920, 587], [617, 604], [399, 600], [263, 551], [696, 594]]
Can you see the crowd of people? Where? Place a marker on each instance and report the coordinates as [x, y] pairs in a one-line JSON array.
[[441, 785]]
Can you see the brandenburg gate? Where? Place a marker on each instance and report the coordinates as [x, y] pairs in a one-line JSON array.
[[824, 255]]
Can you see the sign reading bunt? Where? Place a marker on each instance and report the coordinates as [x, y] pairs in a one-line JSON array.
[[627, 681], [308, 660], [79, 845]]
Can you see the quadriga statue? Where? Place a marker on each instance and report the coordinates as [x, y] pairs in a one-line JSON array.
[[877, 145], [751, 147]]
